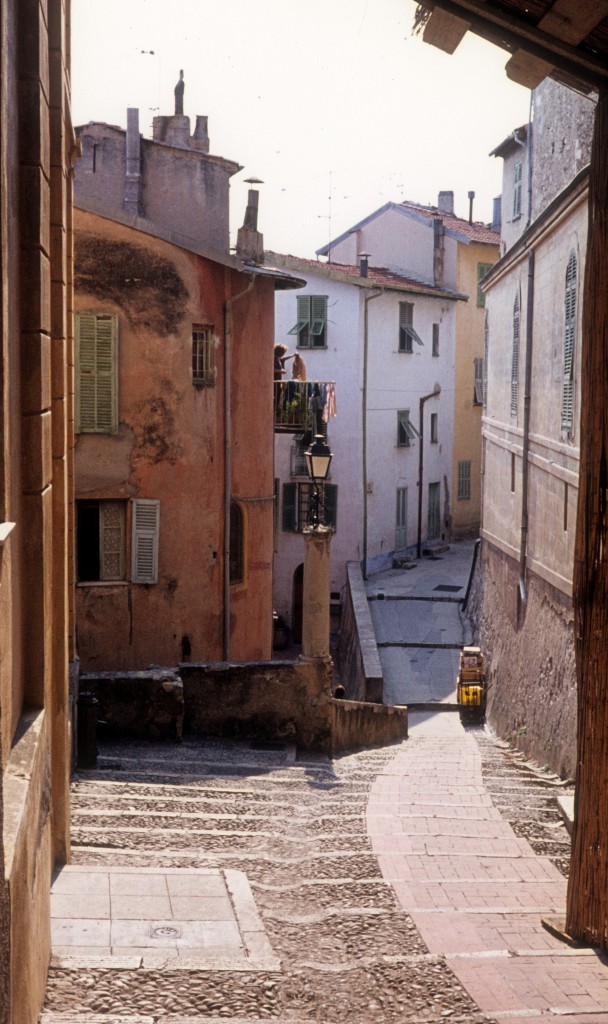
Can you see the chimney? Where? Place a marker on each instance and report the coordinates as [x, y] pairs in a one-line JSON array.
[[438, 250], [497, 213], [471, 196], [445, 203], [132, 200], [364, 263], [249, 241]]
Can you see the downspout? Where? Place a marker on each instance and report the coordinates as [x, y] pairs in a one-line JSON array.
[[523, 590], [367, 300], [228, 457], [433, 394]]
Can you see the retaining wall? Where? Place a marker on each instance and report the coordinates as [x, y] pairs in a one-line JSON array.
[[360, 669]]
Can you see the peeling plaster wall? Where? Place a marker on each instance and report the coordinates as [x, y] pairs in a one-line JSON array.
[[562, 133]]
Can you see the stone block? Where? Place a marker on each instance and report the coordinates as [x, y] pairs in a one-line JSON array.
[[36, 464], [34, 44], [35, 372], [35, 291], [37, 527], [34, 126], [60, 428], [59, 194], [35, 208], [59, 315]]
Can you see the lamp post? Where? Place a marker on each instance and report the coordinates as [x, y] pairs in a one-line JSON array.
[[317, 540], [318, 459]]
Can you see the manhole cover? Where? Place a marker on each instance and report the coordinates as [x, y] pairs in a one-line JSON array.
[[448, 588], [165, 931]]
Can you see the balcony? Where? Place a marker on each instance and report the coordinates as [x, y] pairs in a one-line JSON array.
[[301, 405]]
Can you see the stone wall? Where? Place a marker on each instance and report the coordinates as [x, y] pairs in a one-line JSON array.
[[562, 132], [356, 724], [148, 705], [359, 663], [531, 669]]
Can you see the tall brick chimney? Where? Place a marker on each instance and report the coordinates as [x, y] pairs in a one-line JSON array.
[[249, 241]]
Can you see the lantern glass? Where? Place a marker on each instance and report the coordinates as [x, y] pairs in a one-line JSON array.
[[318, 458]]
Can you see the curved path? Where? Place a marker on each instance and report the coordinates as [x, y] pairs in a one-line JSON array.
[[475, 891]]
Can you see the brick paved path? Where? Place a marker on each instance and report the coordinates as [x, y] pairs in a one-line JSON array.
[[476, 890]]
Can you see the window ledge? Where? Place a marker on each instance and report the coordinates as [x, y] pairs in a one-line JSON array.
[[103, 583], [5, 531]]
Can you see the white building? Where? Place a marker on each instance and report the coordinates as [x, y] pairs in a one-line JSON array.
[[387, 342]]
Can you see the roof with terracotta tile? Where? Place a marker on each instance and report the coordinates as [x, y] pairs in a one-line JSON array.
[[475, 231], [380, 277]]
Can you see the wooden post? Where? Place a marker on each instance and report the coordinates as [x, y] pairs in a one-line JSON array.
[[587, 908]]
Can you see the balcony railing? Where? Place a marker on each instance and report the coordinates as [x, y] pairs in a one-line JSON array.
[[301, 405]]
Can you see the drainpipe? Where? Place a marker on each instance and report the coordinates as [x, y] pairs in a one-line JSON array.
[[228, 455], [366, 300], [523, 590], [433, 394]]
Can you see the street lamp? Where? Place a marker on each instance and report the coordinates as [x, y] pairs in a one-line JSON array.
[[318, 458]]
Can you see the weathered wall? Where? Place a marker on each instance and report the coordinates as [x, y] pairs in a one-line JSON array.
[[532, 695], [358, 660], [562, 131], [355, 724], [148, 705], [278, 700], [170, 446]]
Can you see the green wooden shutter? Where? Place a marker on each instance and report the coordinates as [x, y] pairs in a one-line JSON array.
[[144, 558], [289, 519], [318, 320], [96, 373], [330, 504]]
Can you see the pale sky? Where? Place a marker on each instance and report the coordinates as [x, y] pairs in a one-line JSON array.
[[318, 98]]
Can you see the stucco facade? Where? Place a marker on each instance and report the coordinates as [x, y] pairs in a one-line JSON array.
[[36, 151], [531, 463], [175, 444], [375, 469]]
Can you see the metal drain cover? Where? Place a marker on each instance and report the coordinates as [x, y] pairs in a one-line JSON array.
[[165, 931]]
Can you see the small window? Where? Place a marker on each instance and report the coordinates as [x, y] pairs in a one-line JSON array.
[[517, 182], [464, 481], [482, 270], [434, 429], [515, 358], [237, 544], [311, 325], [407, 334], [96, 373], [203, 373], [569, 339], [406, 431], [478, 382], [100, 540], [144, 555], [435, 339], [297, 500]]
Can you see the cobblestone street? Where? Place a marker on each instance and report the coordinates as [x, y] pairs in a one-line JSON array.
[[343, 948]]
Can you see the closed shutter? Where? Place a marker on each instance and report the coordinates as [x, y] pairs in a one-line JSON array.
[[515, 358], [146, 518], [478, 384], [401, 519], [318, 320], [289, 520], [96, 373], [569, 336]]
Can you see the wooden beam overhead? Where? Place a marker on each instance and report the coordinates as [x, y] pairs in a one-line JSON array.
[[526, 69], [572, 20], [445, 31], [506, 29]]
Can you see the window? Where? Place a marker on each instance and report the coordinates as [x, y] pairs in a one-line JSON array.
[[100, 540], [96, 373], [407, 334], [406, 431], [237, 544], [482, 270], [517, 180], [311, 326], [434, 421], [401, 519], [435, 339], [297, 505], [569, 337], [464, 481], [478, 382], [515, 358], [144, 563], [203, 371]]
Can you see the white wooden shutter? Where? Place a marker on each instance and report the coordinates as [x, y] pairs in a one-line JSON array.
[[515, 358], [144, 561], [96, 373], [569, 335]]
